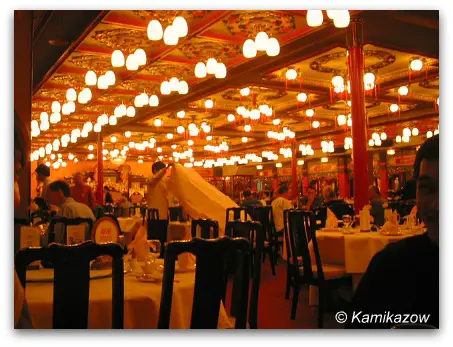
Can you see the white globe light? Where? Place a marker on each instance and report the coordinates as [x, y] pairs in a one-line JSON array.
[[132, 62], [154, 30], [71, 105], [291, 74], [331, 13], [436, 132], [183, 87], [87, 94], [181, 26], [56, 107], [117, 58], [209, 103], [55, 118], [394, 108], [220, 71], [66, 109], [378, 141], [249, 49], [407, 132], [165, 88], [383, 136], [261, 41], [371, 143], [112, 120], [84, 133], [180, 129], [403, 90], [132, 144], [398, 139], [113, 139], [153, 101], [71, 94], [416, 65], [90, 78], [181, 114], [169, 136], [174, 84], [314, 18], [301, 97], [103, 119], [264, 108], [44, 126], [349, 122], [368, 80], [200, 70], [44, 117], [231, 118], [130, 112], [415, 132], [103, 82], [110, 77], [338, 81], [245, 139], [190, 142], [158, 122], [273, 47], [341, 18], [276, 121], [429, 134], [245, 91], [211, 66], [247, 128], [171, 36], [138, 101], [341, 119], [315, 124], [406, 138], [140, 56], [310, 112]]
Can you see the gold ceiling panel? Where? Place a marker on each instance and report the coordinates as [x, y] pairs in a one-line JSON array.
[[263, 94], [91, 62], [123, 39], [99, 108], [53, 93], [116, 99], [168, 70], [204, 49], [40, 105], [68, 80], [140, 85], [249, 23], [166, 16]]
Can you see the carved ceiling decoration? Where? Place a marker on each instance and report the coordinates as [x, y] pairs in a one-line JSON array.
[[92, 62], [123, 39], [194, 116], [262, 94], [427, 84], [340, 106], [69, 80], [250, 23], [166, 16], [203, 50], [98, 108], [115, 99], [167, 70], [320, 64], [41, 105], [53, 93], [140, 86]]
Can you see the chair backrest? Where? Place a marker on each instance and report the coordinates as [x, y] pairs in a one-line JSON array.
[[108, 208], [153, 213], [236, 213], [211, 257], [263, 214], [254, 233], [209, 229], [21, 221], [300, 226], [175, 213], [67, 222], [340, 209], [72, 280], [158, 230]]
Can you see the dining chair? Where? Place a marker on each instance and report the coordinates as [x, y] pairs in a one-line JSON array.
[[263, 214], [253, 232], [237, 213], [211, 258], [302, 271], [209, 229], [158, 230], [72, 280], [175, 213], [67, 222]]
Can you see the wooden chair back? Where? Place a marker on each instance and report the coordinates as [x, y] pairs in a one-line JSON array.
[[72, 280], [237, 213], [209, 229], [209, 284]]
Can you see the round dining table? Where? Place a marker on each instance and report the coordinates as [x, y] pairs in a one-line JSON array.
[[141, 301]]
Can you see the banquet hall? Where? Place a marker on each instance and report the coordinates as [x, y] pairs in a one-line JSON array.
[[230, 169]]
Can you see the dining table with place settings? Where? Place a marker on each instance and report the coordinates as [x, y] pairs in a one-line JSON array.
[[141, 299]]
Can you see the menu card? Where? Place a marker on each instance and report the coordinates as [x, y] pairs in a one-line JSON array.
[[30, 237], [75, 234]]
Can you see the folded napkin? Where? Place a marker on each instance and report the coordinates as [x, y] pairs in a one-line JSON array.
[[139, 246], [331, 221], [390, 227], [365, 218]]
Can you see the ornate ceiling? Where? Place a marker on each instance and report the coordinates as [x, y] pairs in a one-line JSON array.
[[317, 54]]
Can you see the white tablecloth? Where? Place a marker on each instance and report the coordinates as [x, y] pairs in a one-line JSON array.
[[141, 303]]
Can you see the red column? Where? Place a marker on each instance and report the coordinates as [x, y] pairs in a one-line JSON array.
[[383, 173], [343, 177], [100, 187], [294, 190], [354, 42], [305, 180]]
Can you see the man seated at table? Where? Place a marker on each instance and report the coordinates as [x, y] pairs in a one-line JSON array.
[[312, 201], [404, 277], [60, 195], [278, 206], [378, 205], [249, 201]]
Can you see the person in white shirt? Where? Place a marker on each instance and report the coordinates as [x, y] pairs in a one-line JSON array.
[[279, 205], [157, 190], [60, 195]]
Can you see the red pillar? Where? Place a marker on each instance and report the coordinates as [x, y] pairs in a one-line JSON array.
[[100, 187], [305, 180], [343, 177], [354, 40], [383, 173], [294, 190]]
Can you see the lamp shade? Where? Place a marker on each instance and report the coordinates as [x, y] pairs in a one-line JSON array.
[[140, 56], [154, 30], [200, 70], [90, 78], [171, 36], [117, 58], [153, 101], [261, 41], [211, 66], [221, 70], [273, 47], [249, 49], [71, 94], [181, 26], [314, 18]]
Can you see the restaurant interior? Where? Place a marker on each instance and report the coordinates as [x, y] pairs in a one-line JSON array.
[[243, 108]]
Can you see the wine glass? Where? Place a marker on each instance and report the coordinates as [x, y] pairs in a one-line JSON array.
[[347, 221], [154, 249]]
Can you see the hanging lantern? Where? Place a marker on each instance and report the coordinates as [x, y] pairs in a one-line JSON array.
[[181, 26], [291, 74], [338, 81], [56, 107], [211, 66], [220, 71], [369, 79], [181, 114], [110, 77], [130, 112], [180, 129], [429, 134], [245, 91], [310, 112], [55, 118], [131, 62], [407, 132], [140, 56], [209, 103], [158, 122], [112, 120], [403, 90], [331, 13], [65, 109], [341, 18], [174, 84], [84, 133], [436, 132], [71, 94], [153, 101], [200, 70], [416, 65], [245, 139], [127, 134], [383, 136], [314, 18], [90, 78], [341, 119], [315, 124], [165, 88], [394, 108], [371, 143], [44, 126], [171, 37], [406, 138], [117, 58], [415, 132], [249, 49], [183, 87], [71, 106], [154, 30], [86, 94], [247, 128], [103, 82], [261, 41], [276, 121], [44, 117], [301, 97], [377, 141], [231, 118], [273, 47]]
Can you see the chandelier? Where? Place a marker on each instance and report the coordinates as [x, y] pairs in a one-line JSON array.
[[341, 18], [262, 43], [172, 33], [212, 67], [174, 85]]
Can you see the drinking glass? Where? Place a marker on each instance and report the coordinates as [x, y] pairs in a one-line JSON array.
[[347, 220], [154, 249]]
